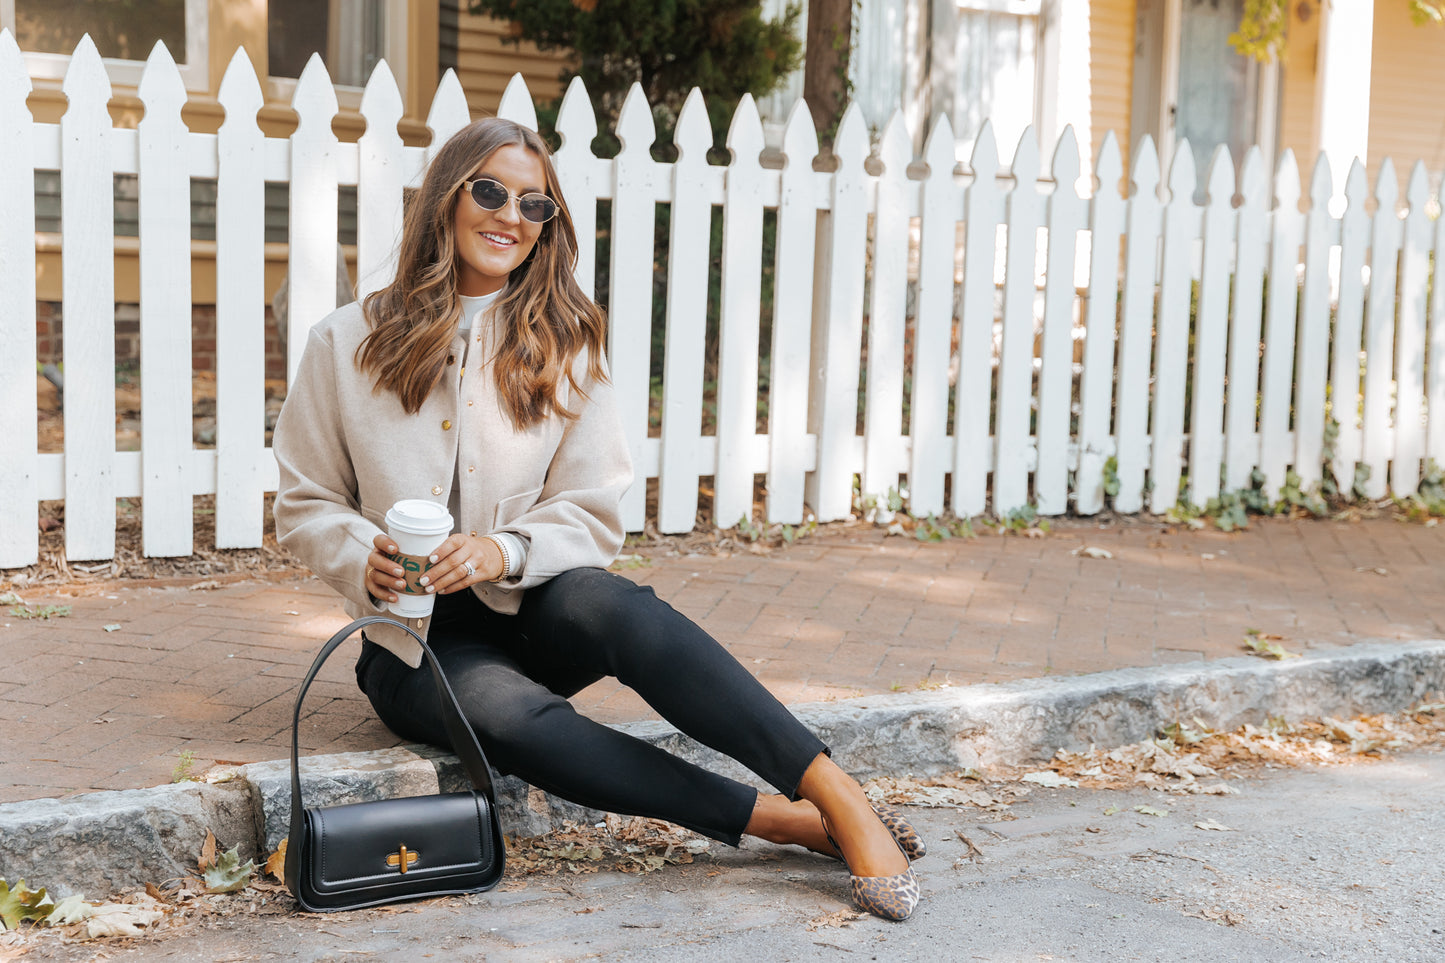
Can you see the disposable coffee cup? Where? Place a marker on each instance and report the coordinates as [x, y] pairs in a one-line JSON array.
[[417, 527]]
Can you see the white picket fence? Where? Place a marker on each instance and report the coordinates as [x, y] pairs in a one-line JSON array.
[[994, 342]]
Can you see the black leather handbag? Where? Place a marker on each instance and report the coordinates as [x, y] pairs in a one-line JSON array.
[[367, 854]]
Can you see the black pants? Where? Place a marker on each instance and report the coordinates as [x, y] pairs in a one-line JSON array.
[[512, 675]]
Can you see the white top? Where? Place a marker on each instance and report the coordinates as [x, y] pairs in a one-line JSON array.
[[516, 548]]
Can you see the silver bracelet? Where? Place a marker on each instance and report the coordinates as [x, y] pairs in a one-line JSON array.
[[506, 557]]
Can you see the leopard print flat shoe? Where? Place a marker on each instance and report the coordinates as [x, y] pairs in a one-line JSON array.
[[891, 897], [908, 839]]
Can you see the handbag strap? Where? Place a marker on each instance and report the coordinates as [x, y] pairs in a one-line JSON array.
[[463, 739]]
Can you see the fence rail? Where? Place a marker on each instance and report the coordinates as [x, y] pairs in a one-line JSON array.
[[1047, 329]]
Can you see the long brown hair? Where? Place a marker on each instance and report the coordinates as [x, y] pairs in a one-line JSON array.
[[548, 319]]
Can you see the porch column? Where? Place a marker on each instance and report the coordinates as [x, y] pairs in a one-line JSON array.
[[1064, 77], [1342, 86]]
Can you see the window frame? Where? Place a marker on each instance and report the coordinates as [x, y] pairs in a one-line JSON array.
[[194, 66], [348, 97]]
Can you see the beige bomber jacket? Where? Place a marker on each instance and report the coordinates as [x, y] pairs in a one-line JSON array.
[[346, 454]]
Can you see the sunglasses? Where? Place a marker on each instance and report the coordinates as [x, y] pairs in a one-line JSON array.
[[492, 195]]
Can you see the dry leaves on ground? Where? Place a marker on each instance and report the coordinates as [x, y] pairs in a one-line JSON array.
[[956, 789], [1177, 761], [626, 845]]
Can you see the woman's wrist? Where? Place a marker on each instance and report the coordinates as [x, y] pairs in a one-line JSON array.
[[504, 563]]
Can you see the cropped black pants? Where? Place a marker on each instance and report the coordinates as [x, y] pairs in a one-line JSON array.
[[513, 675]]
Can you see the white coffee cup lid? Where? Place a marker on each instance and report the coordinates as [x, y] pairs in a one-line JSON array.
[[417, 516]]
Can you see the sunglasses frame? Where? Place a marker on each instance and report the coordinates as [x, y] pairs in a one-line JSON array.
[[469, 187]]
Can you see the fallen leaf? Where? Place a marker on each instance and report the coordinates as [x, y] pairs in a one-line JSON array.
[[1263, 645], [10, 598], [1151, 811], [20, 902], [1049, 778], [113, 627], [208, 852], [121, 919], [841, 918], [1112, 810], [1091, 551], [72, 909], [1211, 824], [229, 874], [276, 862]]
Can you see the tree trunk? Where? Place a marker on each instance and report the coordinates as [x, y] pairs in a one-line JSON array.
[[825, 70]]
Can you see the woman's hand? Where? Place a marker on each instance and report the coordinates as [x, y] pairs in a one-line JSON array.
[[383, 576], [448, 572]]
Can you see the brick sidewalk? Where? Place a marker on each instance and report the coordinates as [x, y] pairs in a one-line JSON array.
[[111, 696]]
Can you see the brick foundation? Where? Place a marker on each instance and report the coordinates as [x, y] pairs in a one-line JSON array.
[[49, 340]]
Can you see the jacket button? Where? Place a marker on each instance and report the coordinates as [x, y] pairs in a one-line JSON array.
[[470, 403], [446, 426], [471, 468], [436, 489], [451, 359], [474, 534]]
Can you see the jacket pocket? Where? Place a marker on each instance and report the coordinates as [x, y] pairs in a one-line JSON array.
[[514, 507]]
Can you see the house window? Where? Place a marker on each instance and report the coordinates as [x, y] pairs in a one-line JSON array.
[[121, 31], [996, 54], [124, 31], [350, 35]]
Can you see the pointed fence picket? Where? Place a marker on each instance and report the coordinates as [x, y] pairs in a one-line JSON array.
[[838, 323], [1241, 406], [630, 295], [982, 212], [1025, 208], [380, 176], [244, 468], [792, 315], [1211, 332], [883, 456], [311, 281], [682, 454], [1066, 217], [165, 300], [987, 425], [88, 303], [1275, 391], [1376, 442], [1435, 364], [1171, 338], [1145, 219], [928, 404], [1313, 347], [1410, 342], [1106, 227], [1349, 325], [20, 468]]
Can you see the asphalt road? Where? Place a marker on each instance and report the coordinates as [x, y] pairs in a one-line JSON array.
[[1340, 863]]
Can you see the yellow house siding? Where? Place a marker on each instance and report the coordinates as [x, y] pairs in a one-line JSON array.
[[485, 64], [1407, 75], [1111, 71], [1298, 77]]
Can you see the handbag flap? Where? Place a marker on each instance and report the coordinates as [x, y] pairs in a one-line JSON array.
[[419, 840]]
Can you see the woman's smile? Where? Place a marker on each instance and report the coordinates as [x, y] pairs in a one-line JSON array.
[[492, 244]]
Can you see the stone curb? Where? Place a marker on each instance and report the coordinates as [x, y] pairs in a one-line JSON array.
[[105, 841]]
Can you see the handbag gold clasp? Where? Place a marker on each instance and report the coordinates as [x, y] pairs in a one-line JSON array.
[[402, 858]]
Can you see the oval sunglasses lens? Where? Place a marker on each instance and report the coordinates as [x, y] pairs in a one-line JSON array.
[[537, 207]]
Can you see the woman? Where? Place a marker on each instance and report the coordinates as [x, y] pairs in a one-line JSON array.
[[477, 377]]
